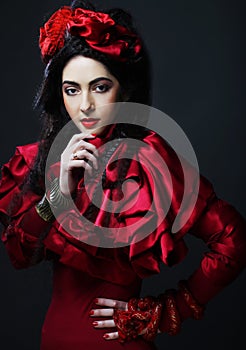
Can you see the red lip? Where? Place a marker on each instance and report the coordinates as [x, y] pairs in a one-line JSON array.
[[89, 122]]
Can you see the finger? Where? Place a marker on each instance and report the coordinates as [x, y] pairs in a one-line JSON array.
[[111, 336], [101, 312], [85, 154], [72, 149], [104, 324], [81, 144], [111, 303], [80, 163], [79, 137]]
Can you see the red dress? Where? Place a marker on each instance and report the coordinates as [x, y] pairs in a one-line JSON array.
[[83, 272]]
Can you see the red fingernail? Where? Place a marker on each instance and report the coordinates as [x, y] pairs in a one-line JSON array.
[[95, 323], [96, 301], [93, 134], [91, 312], [106, 336]]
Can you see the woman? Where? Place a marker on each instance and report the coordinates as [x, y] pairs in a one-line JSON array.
[[88, 71]]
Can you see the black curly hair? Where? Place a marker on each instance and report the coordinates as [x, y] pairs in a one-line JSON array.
[[132, 74]]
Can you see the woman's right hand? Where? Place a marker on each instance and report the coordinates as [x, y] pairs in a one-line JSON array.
[[76, 155]]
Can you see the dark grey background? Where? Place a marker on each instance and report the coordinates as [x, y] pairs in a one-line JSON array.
[[198, 55]]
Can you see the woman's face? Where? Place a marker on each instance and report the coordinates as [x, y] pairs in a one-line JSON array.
[[88, 91]]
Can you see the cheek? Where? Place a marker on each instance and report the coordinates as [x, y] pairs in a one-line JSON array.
[[65, 102], [114, 95], [69, 106], [108, 113]]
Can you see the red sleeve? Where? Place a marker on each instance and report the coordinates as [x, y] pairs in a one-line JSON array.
[[22, 225], [223, 229]]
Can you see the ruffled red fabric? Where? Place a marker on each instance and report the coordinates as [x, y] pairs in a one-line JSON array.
[[103, 34], [99, 30], [213, 220], [119, 265], [135, 259], [13, 175], [158, 246], [14, 205]]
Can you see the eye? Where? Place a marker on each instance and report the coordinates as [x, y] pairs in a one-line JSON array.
[[100, 88], [71, 91]]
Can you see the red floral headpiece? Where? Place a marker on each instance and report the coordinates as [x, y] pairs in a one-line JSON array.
[[99, 30]]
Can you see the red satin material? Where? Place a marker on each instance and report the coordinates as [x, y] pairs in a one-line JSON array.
[[99, 30], [216, 222], [101, 33]]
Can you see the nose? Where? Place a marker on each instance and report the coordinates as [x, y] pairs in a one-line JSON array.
[[87, 102]]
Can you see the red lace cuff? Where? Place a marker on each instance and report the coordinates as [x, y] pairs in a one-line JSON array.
[[142, 315], [178, 305], [168, 300], [196, 309]]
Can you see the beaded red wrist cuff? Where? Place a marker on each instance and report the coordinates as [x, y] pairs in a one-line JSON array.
[[142, 314], [196, 308], [169, 302]]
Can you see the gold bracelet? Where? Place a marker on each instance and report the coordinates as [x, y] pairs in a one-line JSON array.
[[55, 198], [43, 209]]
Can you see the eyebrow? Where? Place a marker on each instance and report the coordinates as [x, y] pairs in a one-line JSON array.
[[90, 83]]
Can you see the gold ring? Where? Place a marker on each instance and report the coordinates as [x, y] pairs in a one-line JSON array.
[[75, 156]]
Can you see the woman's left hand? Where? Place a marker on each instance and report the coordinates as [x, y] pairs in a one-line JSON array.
[[110, 305]]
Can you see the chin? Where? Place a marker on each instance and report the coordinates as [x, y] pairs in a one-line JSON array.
[[97, 131]]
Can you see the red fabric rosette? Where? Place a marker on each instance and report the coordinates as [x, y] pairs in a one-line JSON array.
[[99, 30], [142, 315], [102, 33]]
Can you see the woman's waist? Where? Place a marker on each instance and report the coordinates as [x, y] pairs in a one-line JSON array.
[[75, 285]]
